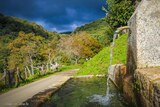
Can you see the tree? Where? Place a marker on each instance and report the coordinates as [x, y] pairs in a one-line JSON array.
[[24, 50], [48, 51], [79, 46], [119, 12]]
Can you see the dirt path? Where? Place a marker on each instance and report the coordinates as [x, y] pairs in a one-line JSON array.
[[16, 96]]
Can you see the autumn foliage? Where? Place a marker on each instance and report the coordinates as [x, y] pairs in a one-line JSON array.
[[79, 46]]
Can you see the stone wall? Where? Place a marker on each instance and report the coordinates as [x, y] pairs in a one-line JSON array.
[[142, 90], [123, 82], [143, 56], [148, 87], [144, 38], [141, 82]]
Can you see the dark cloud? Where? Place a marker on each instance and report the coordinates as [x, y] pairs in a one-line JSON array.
[[60, 15]]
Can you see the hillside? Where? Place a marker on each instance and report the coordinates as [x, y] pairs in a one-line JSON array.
[[100, 62], [99, 29], [31, 51], [18, 38], [11, 26]]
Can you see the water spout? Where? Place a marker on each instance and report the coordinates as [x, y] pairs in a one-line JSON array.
[[114, 38], [121, 29], [111, 55]]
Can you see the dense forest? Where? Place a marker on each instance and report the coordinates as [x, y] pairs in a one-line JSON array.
[[28, 50]]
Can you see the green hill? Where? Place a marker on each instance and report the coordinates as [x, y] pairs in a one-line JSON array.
[[99, 29], [100, 62], [11, 26]]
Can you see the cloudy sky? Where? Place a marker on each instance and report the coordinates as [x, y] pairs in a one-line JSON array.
[[55, 15]]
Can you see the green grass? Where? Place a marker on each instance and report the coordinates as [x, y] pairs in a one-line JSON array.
[[69, 67], [100, 63]]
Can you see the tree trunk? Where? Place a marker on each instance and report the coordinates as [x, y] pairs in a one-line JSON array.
[[28, 70], [17, 80], [25, 72], [31, 61], [42, 69], [18, 74], [39, 72], [4, 75], [5, 78], [47, 66], [49, 57], [77, 60], [9, 79]]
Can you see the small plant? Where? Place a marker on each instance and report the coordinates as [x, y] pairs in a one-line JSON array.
[[137, 85]]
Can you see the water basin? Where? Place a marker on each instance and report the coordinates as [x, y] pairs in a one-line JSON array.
[[86, 92]]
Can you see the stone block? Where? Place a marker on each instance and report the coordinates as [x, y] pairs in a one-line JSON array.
[[144, 37], [123, 81], [149, 79]]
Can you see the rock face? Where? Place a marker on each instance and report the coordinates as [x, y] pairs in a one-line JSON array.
[[144, 38]]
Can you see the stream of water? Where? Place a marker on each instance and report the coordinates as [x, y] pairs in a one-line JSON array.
[[111, 56], [105, 99]]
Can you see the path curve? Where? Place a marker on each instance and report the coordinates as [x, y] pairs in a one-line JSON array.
[[16, 96]]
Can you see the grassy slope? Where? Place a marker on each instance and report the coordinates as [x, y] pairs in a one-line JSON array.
[[99, 64]]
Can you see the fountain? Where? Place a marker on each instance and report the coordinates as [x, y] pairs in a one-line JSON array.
[[112, 69], [111, 73]]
